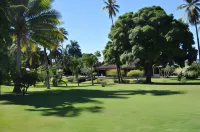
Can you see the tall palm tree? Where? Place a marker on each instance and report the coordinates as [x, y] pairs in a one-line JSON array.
[[192, 12], [73, 49], [34, 22], [57, 53], [111, 8]]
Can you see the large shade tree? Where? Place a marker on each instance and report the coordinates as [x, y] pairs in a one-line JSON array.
[[159, 39], [111, 8], [34, 22], [119, 41], [149, 37], [192, 12]]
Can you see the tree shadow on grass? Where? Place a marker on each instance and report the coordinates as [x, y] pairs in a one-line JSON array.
[[170, 83], [62, 103]]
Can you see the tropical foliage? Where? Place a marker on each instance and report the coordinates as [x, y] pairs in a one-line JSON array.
[[192, 12], [155, 37], [111, 8]]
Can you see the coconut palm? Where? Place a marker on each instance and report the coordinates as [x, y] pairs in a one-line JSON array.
[[192, 12], [34, 22], [73, 49], [112, 8]]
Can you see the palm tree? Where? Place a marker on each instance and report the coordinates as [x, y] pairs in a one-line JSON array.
[[111, 8], [34, 22], [192, 12], [73, 49]]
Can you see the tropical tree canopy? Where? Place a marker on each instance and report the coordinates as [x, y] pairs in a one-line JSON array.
[[73, 49], [192, 12], [155, 38], [33, 23], [89, 60]]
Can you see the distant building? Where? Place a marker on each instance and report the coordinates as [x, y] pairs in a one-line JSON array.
[[101, 70]]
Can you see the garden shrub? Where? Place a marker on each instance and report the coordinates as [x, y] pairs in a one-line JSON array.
[[113, 73], [191, 74], [27, 79], [126, 81], [82, 79], [135, 73], [70, 79]]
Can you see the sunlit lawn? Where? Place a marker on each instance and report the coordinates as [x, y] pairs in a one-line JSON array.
[[115, 108]]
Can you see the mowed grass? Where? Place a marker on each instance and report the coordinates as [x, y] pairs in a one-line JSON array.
[[115, 108]]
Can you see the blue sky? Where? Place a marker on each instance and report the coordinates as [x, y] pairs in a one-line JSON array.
[[87, 24]]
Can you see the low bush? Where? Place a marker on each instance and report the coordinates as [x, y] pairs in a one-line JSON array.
[[82, 79], [141, 81], [27, 79], [113, 73], [135, 73], [126, 81], [191, 74], [99, 80], [70, 79]]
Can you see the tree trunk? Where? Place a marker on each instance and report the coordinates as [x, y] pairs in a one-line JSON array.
[[46, 68], [112, 20], [118, 74], [92, 77], [77, 78], [148, 72], [17, 88], [197, 38]]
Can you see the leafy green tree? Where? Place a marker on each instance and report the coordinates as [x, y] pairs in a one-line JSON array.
[[75, 66], [192, 12], [85, 70], [33, 23], [73, 49], [159, 39], [119, 41], [5, 41], [112, 56], [97, 54], [89, 60], [112, 8]]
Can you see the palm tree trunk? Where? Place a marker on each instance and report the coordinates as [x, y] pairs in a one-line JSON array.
[[18, 56], [17, 88], [46, 68], [197, 38], [112, 20]]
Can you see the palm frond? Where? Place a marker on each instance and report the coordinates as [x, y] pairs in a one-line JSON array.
[[182, 6]]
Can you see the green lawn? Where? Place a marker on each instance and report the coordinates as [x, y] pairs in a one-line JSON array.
[[115, 108]]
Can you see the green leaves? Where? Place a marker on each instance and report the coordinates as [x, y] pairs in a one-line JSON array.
[[111, 8], [73, 49], [89, 60]]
